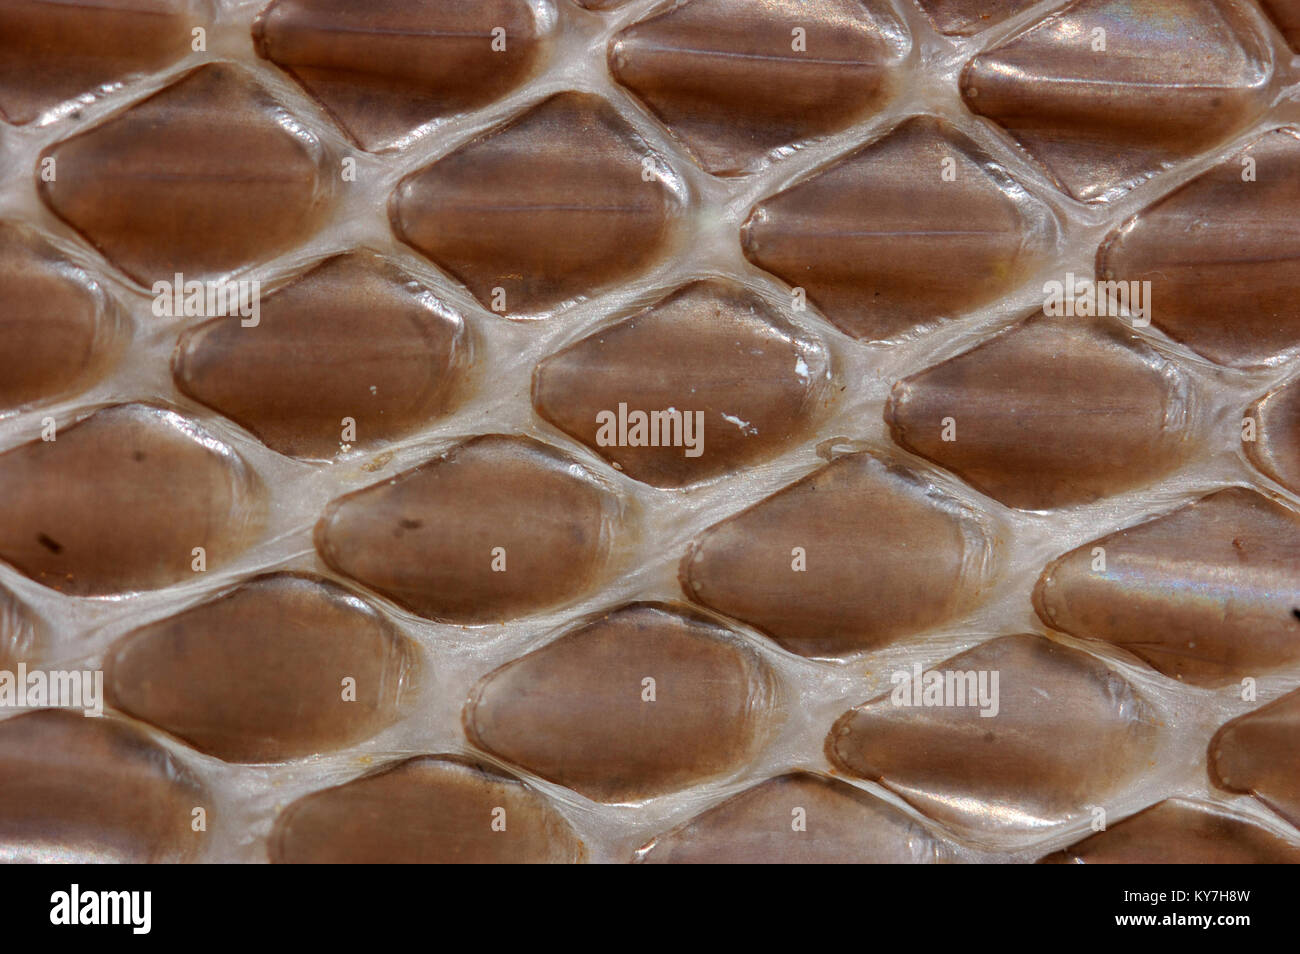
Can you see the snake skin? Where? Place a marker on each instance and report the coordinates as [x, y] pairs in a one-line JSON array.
[[626, 413]]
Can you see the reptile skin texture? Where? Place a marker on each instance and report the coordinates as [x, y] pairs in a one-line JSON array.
[[650, 431]]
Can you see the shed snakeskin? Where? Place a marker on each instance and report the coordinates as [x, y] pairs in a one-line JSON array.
[[650, 431]]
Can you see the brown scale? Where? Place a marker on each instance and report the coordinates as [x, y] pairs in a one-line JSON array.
[[711, 348], [1220, 255], [1068, 733], [386, 67], [496, 527], [880, 559], [1180, 832], [354, 338], [1275, 449], [119, 502], [147, 188], [260, 674], [61, 331], [93, 790], [1204, 594], [697, 67], [798, 819], [1028, 417], [426, 810], [916, 227], [1286, 14], [1176, 77], [1259, 754], [580, 712], [577, 217], [51, 53]]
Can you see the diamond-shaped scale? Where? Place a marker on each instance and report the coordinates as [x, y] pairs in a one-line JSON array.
[[740, 378], [1106, 93], [1220, 255], [408, 358], [563, 712], [88, 791], [61, 330], [208, 176], [858, 554], [123, 500], [1062, 731], [385, 67], [1236, 549], [916, 227], [821, 65], [1256, 754], [558, 205], [425, 810], [493, 528], [253, 675], [1028, 416], [53, 52], [1183, 832]]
